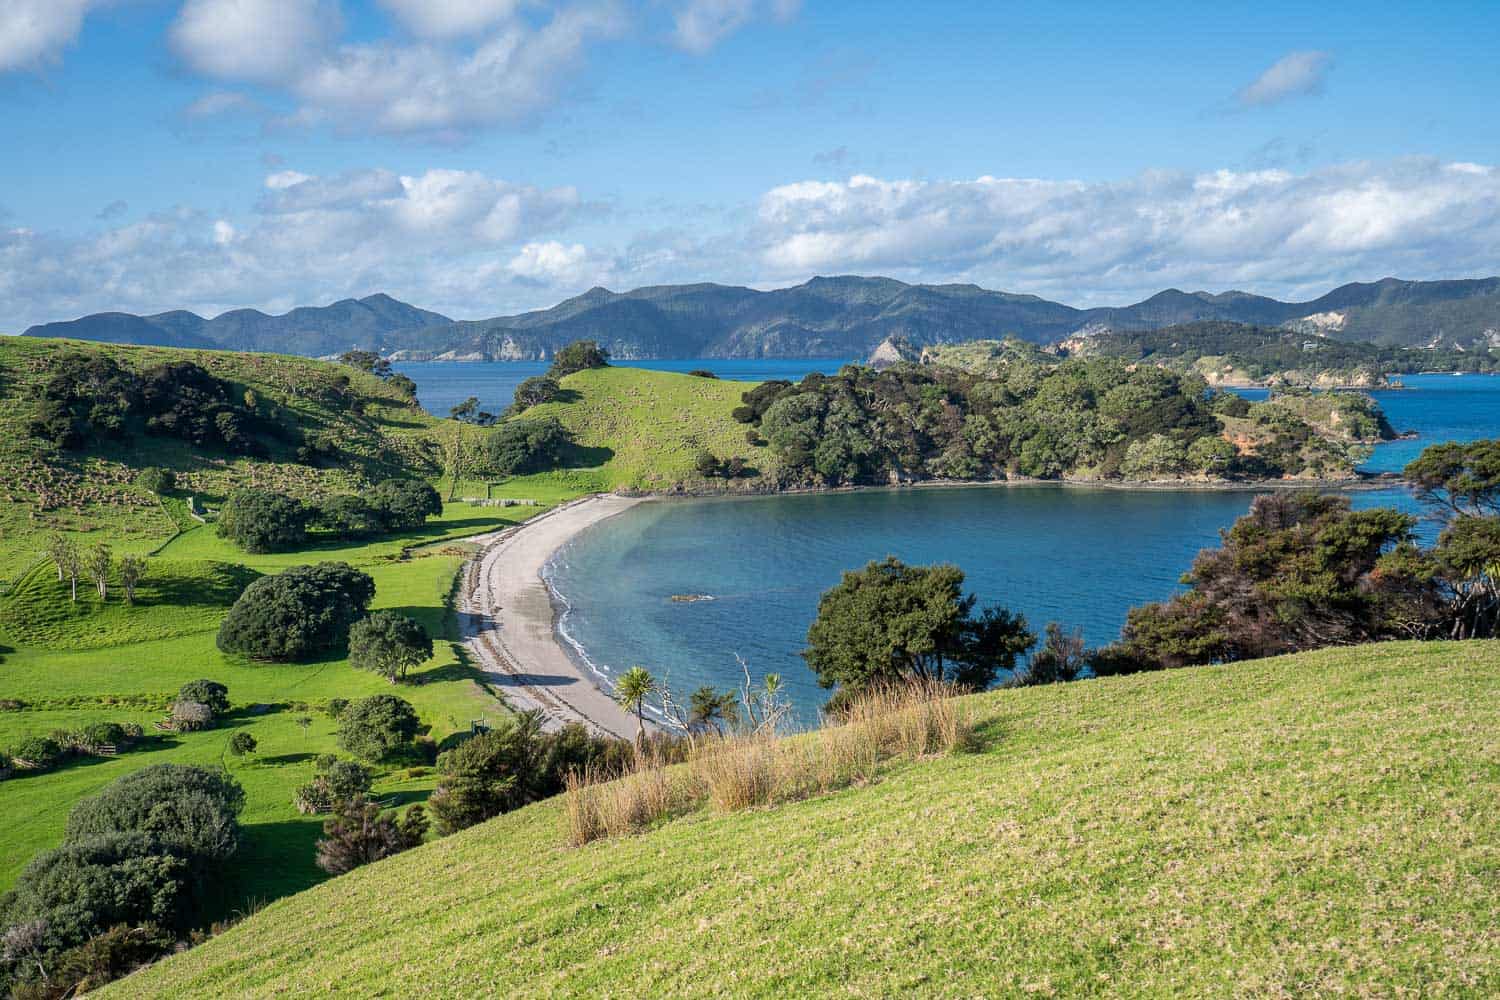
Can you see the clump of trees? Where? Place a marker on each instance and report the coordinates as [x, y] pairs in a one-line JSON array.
[[513, 764], [894, 623], [136, 863], [378, 727], [369, 361], [297, 614], [521, 446], [96, 564], [576, 357], [261, 521], [710, 466], [1096, 418], [388, 644], [360, 832], [91, 398], [336, 781]]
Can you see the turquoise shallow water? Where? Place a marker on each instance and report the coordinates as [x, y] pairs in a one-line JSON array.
[[1075, 555]]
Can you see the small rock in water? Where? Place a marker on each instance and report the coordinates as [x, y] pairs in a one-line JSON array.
[[691, 598]]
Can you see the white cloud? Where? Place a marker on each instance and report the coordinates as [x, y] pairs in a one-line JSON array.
[[450, 18], [1274, 231], [1295, 74], [472, 245], [261, 41], [702, 24], [219, 102], [34, 32]]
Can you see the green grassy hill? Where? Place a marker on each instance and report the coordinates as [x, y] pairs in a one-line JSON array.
[[1319, 824], [89, 494], [638, 429]]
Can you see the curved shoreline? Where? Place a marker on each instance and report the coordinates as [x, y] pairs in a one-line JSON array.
[[508, 618]]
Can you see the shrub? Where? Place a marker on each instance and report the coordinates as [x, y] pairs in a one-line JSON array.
[[706, 464], [103, 734], [206, 692], [577, 356], [101, 959], [1061, 658], [191, 716], [242, 743], [185, 808], [81, 888], [155, 480], [298, 613], [374, 727], [336, 781], [349, 516], [702, 373], [335, 707], [7, 765], [388, 644], [260, 521], [37, 752], [359, 832], [517, 447], [404, 504]]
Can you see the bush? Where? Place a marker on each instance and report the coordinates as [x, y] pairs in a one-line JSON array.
[[374, 727], [191, 716], [336, 707], [37, 752], [7, 765], [206, 692], [298, 613], [104, 958], [702, 373], [336, 781], [706, 464], [103, 734], [577, 356], [188, 809], [388, 644], [242, 743], [79, 889], [259, 521], [154, 480], [349, 516], [358, 833], [517, 447], [404, 504]]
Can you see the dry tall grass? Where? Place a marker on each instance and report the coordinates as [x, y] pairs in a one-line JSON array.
[[906, 721]]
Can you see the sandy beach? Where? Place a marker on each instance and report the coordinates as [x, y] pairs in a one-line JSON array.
[[509, 621]]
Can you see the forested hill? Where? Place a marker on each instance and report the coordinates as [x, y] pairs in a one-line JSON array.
[[825, 317]]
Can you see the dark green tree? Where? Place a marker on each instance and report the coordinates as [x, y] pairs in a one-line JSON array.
[[891, 622], [405, 504], [360, 832], [576, 357], [206, 692], [388, 644], [375, 727], [298, 613], [535, 391], [191, 810], [260, 521], [517, 447]]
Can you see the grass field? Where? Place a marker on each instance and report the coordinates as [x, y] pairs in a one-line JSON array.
[[642, 430], [1321, 824], [74, 664]]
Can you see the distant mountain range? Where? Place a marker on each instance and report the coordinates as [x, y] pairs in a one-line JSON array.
[[826, 317]]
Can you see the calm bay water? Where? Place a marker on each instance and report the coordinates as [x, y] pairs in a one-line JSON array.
[[1076, 555]]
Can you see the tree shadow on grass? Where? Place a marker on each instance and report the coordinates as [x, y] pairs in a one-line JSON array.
[[274, 860], [278, 760], [217, 587], [397, 800], [988, 733], [577, 456]]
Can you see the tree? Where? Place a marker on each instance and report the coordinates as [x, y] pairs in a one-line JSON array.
[[535, 391], [706, 464], [405, 504], [59, 550], [242, 743], [488, 774], [186, 808], [132, 572], [303, 723], [457, 456], [890, 622], [1062, 657], [374, 727], [367, 361], [336, 781], [1212, 456], [1458, 479], [1156, 457], [710, 707], [99, 561], [405, 386], [359, 832], [191, 716], [632, 690], [349, 516], [259, 521], [388, 644], [298, 613], [206, 692], [468, 412], [517, 447], [576, 357], [156, 480]]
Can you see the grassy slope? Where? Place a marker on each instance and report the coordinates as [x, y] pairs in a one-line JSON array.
[[89, 495], [641, 429], [1313, 824]]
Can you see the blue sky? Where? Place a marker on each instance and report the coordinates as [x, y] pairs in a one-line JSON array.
[[487, 156]]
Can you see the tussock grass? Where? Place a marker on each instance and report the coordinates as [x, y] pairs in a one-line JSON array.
[[750, 770]]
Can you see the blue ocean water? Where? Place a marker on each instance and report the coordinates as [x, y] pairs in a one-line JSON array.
[[1080, 556]]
